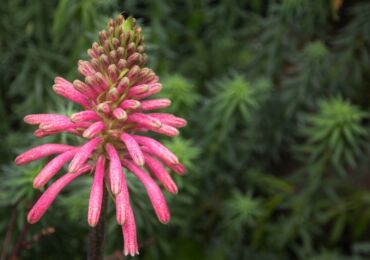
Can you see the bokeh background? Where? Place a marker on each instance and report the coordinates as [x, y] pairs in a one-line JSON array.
[[277, 95]]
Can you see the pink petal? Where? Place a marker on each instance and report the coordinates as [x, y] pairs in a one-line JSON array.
[[85, 68], [120, 208], [115, 169], [41, 133], [41, 152], [101, 81], [56, 126], [155, 104], [133, 148], [122, 203], [36, 119], [119, 113], [129, 233], [62, 126], [85, 89], [176, 167], [130, 104], [153, 89], [143, 120], [165, 129], [83, 153], [157, 169], [139, 89], [112, 72], [52, 168], [169, 119], [65, 89], [44, 202], [87, 115], [104, 108], [92, 81], [133, 59], [113, 94], [123, 85], [96, 194], [94, 129], [157, 149], [154, 193]]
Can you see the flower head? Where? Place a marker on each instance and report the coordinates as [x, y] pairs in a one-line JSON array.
[[116, 111]]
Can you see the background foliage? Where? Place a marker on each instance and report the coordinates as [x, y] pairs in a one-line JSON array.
[[277, 147]]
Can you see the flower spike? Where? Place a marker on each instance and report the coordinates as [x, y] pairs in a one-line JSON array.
[[117, 109]]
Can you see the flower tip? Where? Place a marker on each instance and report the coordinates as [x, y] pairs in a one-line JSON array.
[[116, 189], [139, 161], [31, 218], [120, 221], [27, 119], [165, 219], [131, 252], [37, 184], [72, 167], [92, 222], [173, 189], [18, 160]]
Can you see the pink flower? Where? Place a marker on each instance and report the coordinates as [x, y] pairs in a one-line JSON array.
[[115, 112]]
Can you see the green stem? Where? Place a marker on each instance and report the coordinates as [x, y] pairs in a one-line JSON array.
[[96, 234]]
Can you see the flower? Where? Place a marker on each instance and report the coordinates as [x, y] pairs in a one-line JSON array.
[[115, 113]]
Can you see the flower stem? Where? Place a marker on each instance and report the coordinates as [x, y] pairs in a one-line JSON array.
[[96, 234]]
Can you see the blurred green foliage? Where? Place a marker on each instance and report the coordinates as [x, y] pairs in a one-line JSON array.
[[277, 96]]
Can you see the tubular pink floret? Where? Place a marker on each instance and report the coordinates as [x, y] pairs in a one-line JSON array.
[[41, 133], [94, 129], [41, 152], [153, 89], [165, 129], [113, 94], [178, 168], [85, 89], [115, 169], [155, 104], [169, 119], [56, 126], [120, 208], [52, 168], [83, 154], [119, 114], [85, 68], [144, 120], [130, 104], [137, 90], [104, 108], [154, 193], [36, 119], [133, 149], [157, 169], [62, 126], [47, 198], [101, 81], [123, 85], [87, 115], [157, 149], [96, 194], [122, 202], [129, 233], [65, 89]]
